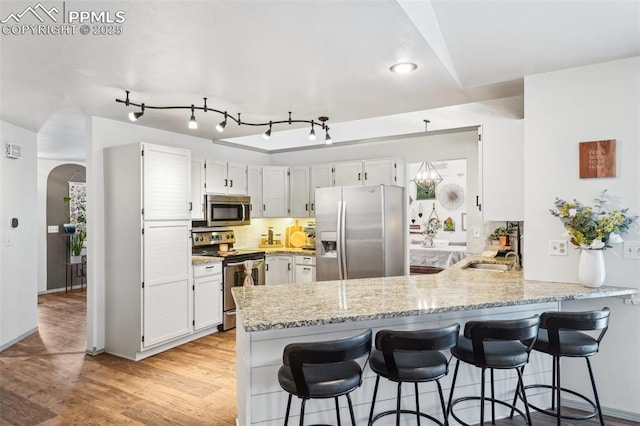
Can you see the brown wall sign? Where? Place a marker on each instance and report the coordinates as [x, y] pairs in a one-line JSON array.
[[598, 159]]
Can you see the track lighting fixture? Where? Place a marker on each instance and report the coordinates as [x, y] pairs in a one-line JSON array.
[[220, 126], [193, 124], [312, 134], [134, 116], [267, 134]]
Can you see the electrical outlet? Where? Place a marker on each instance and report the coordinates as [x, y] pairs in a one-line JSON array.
[[631, 250], [53, 229], [557, 247]]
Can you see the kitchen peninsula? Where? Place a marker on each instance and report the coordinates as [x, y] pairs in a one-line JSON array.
[[269, 317]]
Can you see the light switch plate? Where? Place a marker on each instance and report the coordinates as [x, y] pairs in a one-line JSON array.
[[557, 247], [631, 250], [53, 229]]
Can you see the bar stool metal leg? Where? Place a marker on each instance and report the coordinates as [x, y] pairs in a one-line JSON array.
[[337, 410], [595, 392], [398, 404], [373, 401], [304, 401], [286, 416], [353, 417]]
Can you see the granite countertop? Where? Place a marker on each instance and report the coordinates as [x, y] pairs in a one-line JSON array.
[[287, 250], [200, 260], [454, 289]]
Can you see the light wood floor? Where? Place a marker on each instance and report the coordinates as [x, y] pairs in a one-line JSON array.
[[47, 379]]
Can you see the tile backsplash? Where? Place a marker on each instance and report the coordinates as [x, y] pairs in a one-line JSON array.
[[248, 237]]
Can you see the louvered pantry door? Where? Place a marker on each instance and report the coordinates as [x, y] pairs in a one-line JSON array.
[[166, 301], [167, 181]]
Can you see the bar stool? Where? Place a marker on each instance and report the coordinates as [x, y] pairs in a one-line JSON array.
[[318, 370], [413, 357], [496, 344], [560, 336]]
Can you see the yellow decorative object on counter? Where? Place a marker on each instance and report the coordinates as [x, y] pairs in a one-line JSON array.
[[298, 239]]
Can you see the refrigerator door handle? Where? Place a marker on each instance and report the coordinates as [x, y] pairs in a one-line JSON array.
[[343, 240], [339, 240]]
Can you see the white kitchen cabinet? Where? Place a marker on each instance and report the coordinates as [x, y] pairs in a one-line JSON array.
[[299, 191], [197, 190], [502, 170], [225, 178], [148, 279], [275, 191], [279, 269], [207, 295], [304, 269], [320, 176], [347, 173], [254, 189], [381, 171]]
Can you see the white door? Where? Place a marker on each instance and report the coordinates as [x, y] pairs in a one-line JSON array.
[[279, 270], [254, 189], [166, 274], [166, 188], [347, 173], [380, 172], [207, 301], [197, 190], [299, 191], [216, 181], [275, 191], [237, 179], [321, 176]]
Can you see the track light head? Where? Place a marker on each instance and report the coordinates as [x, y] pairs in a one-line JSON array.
[[327, 137], [135, 115], [312, 134], [193, 124], [267, 134], [220, 126]]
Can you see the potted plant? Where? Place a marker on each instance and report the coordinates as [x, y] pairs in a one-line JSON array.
[[502, 234], [77, 244]]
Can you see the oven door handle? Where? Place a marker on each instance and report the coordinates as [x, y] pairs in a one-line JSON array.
[[255, 261]]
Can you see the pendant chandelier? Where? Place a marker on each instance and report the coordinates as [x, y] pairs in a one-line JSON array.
[[192, 123], [427, 178]]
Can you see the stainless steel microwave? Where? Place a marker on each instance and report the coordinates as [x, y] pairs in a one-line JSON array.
[[228, 210]]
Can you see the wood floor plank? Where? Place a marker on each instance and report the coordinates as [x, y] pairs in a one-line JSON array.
[[18, 410]]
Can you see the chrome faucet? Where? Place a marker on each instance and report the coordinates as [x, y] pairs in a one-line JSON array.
[[513, 253]]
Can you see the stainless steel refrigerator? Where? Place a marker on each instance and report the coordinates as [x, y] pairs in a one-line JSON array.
[[359, 232]]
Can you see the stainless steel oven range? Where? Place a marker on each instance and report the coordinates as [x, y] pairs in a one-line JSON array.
[[207, 242]]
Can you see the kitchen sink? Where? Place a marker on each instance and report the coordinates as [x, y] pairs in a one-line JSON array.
[[496, 267]]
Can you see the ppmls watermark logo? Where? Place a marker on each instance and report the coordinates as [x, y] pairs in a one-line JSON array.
[[57, 20]]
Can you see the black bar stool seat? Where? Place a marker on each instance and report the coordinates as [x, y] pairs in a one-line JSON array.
[[411, 356], [561, 335], [328, 369], [494, 344]]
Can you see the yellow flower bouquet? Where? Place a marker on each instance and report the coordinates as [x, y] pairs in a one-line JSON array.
[[592, 227]]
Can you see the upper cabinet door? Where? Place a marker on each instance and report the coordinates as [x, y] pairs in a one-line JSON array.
[[321, 176], [380, 172], [197, 190], [275, 191], [237, 179], [254, 189], [166, 183], [347, 173], [502, 170], [216, 181], [299, 191]]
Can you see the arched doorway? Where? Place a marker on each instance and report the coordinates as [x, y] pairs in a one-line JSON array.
[[57, 213]]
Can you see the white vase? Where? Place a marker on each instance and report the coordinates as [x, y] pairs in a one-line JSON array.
[[591, 270], [75, 259]]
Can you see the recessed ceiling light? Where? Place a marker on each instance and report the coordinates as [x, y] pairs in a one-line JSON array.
[[403, 67]]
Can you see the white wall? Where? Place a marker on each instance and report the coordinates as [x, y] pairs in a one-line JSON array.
[[18, 262], [44, 168], [562, 109], [103, 133]]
